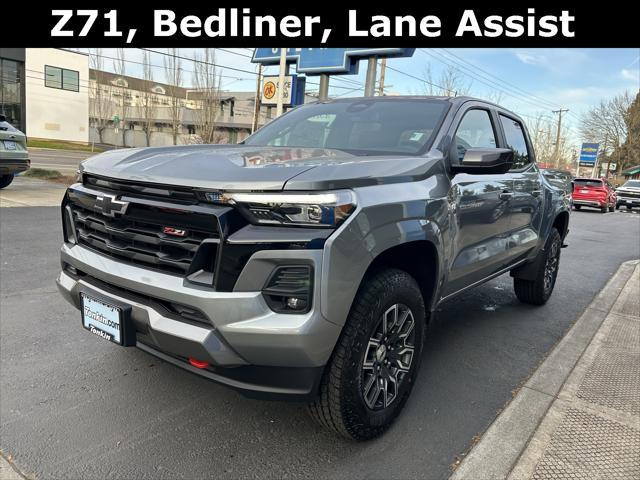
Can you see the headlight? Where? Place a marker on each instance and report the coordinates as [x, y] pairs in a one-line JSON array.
[[325, 209]]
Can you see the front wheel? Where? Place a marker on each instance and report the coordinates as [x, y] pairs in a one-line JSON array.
[[538, 291], [374, 364], [611, 208], [577, 207], [5, 180]]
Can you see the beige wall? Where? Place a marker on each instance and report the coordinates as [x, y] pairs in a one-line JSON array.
[[54, 113]]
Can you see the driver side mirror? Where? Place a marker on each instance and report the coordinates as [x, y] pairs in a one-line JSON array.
[[484, 161]]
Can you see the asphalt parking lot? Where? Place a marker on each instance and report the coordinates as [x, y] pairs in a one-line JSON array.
[[73, 406]]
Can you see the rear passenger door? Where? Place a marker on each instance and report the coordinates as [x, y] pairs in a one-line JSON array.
[[527, 201], [479, 204]]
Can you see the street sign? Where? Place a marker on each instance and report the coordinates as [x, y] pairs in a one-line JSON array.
[[589, 154], [316, 61], [292, 94]]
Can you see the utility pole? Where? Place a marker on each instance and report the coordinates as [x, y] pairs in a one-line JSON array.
[[256, 108], [283, 71], [383, 68], [557, 151]]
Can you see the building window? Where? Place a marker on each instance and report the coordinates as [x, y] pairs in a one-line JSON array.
[[12, 92], [61, 78]]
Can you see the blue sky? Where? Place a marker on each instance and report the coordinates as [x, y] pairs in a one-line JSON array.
[[534, 81]]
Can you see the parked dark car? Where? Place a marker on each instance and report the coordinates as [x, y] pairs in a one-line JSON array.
[[594, 193], [14, 157]]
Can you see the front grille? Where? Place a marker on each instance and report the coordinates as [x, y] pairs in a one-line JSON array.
[[629, 194], [139, 235]]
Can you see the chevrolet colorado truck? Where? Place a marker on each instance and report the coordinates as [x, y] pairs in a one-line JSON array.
[[306, 262]]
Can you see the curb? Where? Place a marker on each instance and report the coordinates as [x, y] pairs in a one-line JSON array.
[[8, 470], [506, 438]]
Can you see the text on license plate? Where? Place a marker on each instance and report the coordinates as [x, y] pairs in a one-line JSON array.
[[584, 191], [9, 144], [102, 319]]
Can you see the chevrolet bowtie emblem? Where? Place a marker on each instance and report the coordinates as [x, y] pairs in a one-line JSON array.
[[108, 205]]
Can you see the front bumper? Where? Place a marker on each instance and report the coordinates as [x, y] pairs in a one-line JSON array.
[[248, 346], [629, 201]]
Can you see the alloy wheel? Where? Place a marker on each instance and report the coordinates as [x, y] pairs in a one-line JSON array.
[[388, 357]]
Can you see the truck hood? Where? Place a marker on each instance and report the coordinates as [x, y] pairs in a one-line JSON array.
[[241, 167]]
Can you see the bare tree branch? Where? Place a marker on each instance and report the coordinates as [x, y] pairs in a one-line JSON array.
[[206, 81], [173, 76]]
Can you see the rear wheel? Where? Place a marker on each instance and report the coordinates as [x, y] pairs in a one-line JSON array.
[[629, 207], [374, 365], [538, 291], [577, 207], [5, 180], [604, 209]]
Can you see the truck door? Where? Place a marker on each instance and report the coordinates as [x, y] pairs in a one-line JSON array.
[[527, 202], [479, 205]]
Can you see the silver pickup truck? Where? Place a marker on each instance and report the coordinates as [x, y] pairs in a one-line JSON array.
[[306, 262]]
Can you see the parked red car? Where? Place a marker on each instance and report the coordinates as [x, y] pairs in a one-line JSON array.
[[594, 192]]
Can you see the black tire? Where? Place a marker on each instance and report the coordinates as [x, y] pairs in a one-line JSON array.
[[5, 180], [612, 208], [538, 291], [577, 207], [344, 405], [617, 206], [629, 207], [604, 209]]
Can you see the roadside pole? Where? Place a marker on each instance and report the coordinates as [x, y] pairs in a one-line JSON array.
[[557, 152], [323, 92], [256, 108], [370, 82], [283, 69], [383, 68], [604, 151]]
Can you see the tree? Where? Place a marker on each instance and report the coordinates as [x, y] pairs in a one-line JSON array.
[[122, 93], [148, 100], [100, 95], [173, 75], [542, 130], [605, 123], [206, 81], [628, 155], [450, 83]]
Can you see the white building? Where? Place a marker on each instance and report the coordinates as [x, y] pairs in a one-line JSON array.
[[44, 92]]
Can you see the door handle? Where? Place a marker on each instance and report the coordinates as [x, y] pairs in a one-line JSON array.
[[505, 195]]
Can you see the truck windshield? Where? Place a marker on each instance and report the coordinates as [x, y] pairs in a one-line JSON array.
[[632, 184], [360, 127]]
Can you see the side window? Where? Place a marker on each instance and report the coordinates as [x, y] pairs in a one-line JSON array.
[[514, 134], [475, 131]]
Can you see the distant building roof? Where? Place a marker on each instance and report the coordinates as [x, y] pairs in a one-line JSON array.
[[631, 171]]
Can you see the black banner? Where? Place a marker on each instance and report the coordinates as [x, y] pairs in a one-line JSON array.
[[315, 24]]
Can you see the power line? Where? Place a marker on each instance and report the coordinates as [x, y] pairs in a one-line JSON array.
[[500, 79], [419, 79]]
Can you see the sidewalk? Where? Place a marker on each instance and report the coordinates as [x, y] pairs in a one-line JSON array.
[[578, 416]]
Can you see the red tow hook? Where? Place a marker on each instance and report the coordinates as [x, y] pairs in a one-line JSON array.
[[198, 363]]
